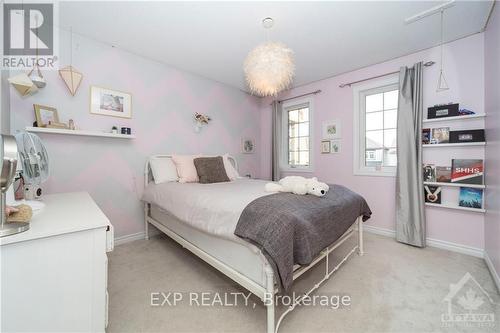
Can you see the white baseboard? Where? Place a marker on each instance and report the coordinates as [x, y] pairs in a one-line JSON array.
[[129, 238], [445, 245], [492, 269]]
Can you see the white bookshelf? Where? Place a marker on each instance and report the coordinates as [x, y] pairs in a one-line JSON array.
[[46, 130], [454, 184], [464, 144], [448, 206], [438, 120]]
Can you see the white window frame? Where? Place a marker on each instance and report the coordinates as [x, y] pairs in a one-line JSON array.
[[359, 93], [284, 166]]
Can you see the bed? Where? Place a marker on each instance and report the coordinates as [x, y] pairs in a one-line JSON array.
[[203, 217]]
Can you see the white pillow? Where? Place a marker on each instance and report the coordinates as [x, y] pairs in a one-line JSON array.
[[231, 172], [163, 169], [185, 168]]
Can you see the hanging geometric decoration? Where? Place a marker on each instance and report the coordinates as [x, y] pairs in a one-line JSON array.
[[37, 77], [23, 84], [72, 78], [269, 68], [442, 85]]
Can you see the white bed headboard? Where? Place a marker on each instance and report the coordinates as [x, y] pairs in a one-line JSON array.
[[148, 175]]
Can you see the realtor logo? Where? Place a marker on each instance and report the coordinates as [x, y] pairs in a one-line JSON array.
[[28, 29], [468, 304], [29, 36]]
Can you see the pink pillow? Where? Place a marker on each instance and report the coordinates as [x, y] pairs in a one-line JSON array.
[[185, 168]]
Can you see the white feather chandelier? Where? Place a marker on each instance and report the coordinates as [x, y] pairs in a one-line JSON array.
[[269, 68]]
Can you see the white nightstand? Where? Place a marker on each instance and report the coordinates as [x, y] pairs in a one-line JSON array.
[[54, 276]]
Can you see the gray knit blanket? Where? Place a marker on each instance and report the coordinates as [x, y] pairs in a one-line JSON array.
[[293, 229]]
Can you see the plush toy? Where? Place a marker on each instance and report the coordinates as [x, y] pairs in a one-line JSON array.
[[299, 185]]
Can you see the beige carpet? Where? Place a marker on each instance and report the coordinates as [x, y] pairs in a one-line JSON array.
[[393, 288]]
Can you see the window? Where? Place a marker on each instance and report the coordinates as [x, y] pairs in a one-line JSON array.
[[296, 136], [375, 112]]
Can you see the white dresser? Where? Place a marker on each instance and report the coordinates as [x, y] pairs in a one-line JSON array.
[[54, 276]]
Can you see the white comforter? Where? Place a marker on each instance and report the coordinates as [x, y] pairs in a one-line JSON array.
[[213, 208]]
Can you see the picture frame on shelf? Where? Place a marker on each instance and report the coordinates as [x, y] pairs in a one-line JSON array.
[[45, 115], [325, 147], [107, 102], [440, 135]]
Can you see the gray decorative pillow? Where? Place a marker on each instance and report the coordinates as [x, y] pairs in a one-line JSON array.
[[211, 169]]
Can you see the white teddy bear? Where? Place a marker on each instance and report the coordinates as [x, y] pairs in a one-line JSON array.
[[299, 185]]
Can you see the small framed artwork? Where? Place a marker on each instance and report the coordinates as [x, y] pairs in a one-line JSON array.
[[45, 115], [108, 102], [331, 130], [336, 146], [247, 146], [325, 147]]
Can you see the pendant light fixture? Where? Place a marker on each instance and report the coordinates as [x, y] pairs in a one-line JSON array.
[[269, 68], [442, 85], [71, 77]]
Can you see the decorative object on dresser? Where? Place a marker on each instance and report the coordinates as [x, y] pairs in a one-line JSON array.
[[442, 111], [247, 146], [470, 197], [71, 77], [432, 194], [331, 130], [472, 135], [60, 266], [107, 102], [467, 171], [325, 146], [440, 135]]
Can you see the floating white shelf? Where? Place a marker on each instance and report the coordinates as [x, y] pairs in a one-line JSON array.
[[78, 132], [454, 184], [475, 210], [465, 144], [471, 116]]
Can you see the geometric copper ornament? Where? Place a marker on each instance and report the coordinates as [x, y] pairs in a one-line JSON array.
[[72, 78], [23, 84]]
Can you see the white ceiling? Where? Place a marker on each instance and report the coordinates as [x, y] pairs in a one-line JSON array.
[[211, 39]]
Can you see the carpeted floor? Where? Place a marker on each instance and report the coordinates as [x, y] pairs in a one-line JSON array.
[[392, 288]]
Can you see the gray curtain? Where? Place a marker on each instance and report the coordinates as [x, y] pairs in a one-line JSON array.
[[410, 214], [276, 141]]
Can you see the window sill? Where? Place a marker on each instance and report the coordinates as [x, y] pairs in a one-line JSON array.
[[301, 170], [374, 173]]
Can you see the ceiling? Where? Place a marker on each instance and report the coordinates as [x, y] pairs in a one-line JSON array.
[[211, 39]]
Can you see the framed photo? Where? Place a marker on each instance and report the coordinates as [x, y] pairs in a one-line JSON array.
[[336, 146], [325, 147], [45, 115], [108, 102], [247, 146], [331, 130]]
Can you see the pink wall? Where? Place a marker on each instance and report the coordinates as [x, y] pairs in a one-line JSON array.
[[492, 106], [464, 69], [163, 104]]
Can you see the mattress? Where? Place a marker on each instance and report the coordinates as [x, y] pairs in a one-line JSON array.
[[240, 255], [212, 208]]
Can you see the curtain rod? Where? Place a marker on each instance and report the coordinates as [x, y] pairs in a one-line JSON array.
[[427, 64], [311, 93]]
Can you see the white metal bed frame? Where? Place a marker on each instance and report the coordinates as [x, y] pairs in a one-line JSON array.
[[268, 291]]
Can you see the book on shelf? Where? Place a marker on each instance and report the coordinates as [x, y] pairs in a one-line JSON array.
[[443, 174], [432, 194], [467, 171], [440, 135], [470, 197], [429, 173], [426, 136]]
